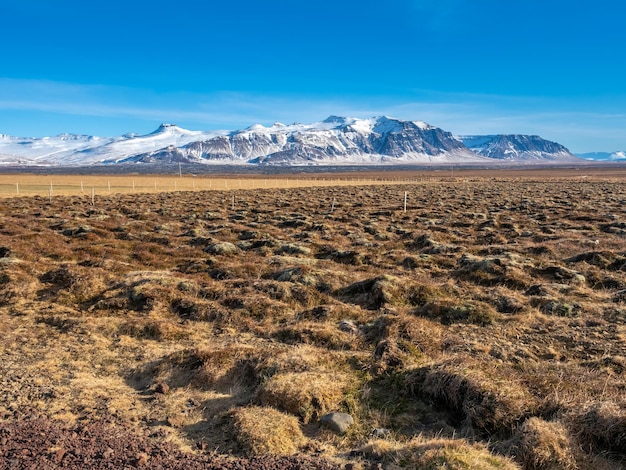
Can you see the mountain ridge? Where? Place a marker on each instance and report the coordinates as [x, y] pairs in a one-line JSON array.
[[335, 140]]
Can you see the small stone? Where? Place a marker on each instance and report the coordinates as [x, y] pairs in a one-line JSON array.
[[59, 454], [348, 327], [141, 459], [380, 432], [162, 387], [337, 422]]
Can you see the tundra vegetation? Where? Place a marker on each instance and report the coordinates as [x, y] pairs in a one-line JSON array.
[[483, 327]]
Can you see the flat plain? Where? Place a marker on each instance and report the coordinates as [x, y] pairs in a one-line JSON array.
[[482, 325]]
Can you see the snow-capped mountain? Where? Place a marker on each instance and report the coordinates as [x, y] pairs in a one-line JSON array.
[[336, 140], [604, 156], [516, 147], [70, 149]]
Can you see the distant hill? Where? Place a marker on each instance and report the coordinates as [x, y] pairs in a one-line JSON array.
[[604, 156]]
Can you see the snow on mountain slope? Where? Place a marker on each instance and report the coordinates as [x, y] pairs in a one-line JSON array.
[[517, 147], [332, 141], [604, 156], [37, 150], [336, 140], [70, 149]]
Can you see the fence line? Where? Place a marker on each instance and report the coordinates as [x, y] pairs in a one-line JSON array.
[[31, 185]]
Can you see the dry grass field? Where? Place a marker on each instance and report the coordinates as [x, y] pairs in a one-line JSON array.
[[482, 327], [12, 185]]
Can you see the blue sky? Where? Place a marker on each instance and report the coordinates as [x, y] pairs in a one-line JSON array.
[[551, 67]]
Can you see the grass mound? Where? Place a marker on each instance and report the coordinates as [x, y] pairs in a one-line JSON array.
[[436, 454], [267, 431], [308, 395], [486, 397], [546, 445]]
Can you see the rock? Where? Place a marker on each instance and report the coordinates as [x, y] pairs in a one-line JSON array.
[[162, 388], [348, 326], [337, 422], [222, 248], [141, 459], [380, 432]]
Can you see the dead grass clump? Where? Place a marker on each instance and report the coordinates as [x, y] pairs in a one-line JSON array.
[[424, 334], [308, 395], [72, 285], [427, 244], [225, 367], [376, 292], [602, 426], [16, 285], [435, 454], [153, 329], [602, 259], [486, 396], [264, 309], [143, 291], [323, 335], [348, 257], [395, 353], [507, 269], [421, 294], [267, 431], [451, 311], [61, 323], [222, 368], [190, 308], [545, 445]]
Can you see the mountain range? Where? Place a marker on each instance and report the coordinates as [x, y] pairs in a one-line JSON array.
[[336, 140], [604, 156]]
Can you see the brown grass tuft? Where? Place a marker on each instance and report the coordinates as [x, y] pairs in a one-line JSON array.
[[485, 395], [308, 395], [267, 431], [436, 454], [546, 445]]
